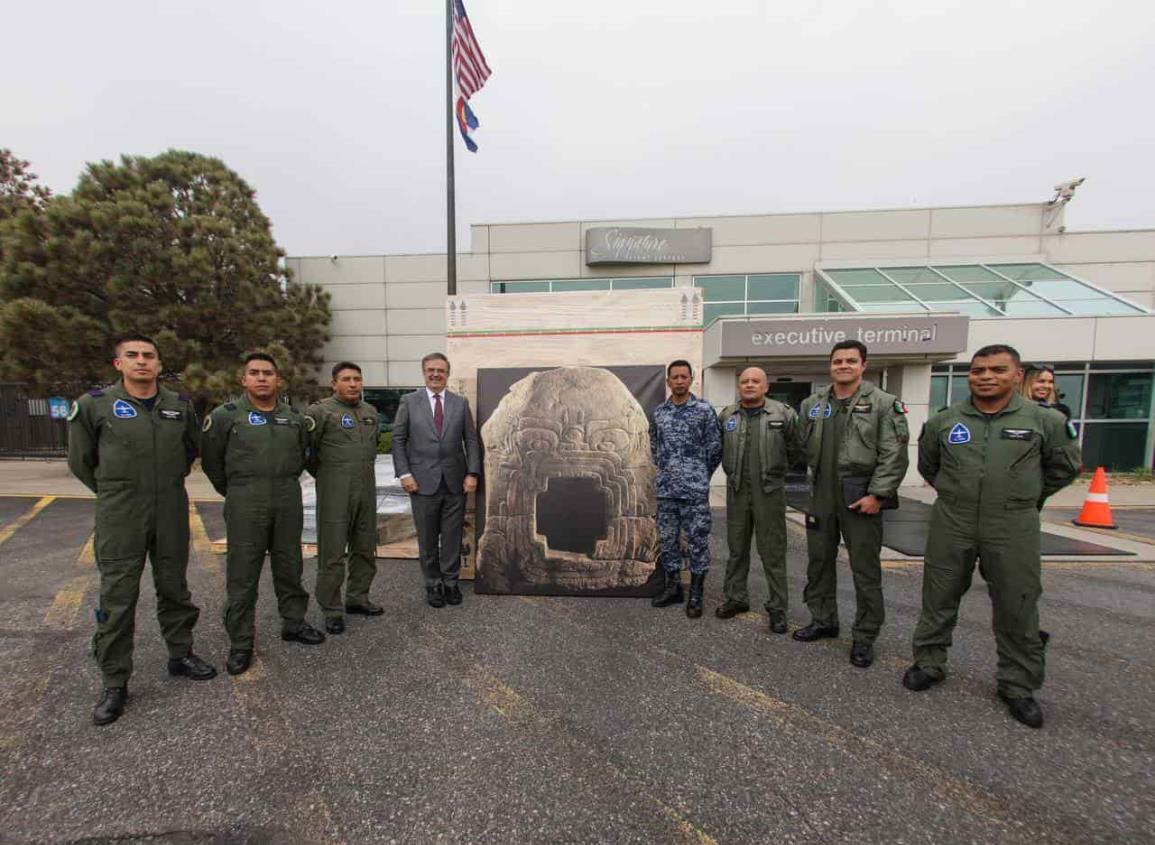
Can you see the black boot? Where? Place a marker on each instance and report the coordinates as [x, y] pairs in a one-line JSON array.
[[110, 706], [697, 588], [671, 590]]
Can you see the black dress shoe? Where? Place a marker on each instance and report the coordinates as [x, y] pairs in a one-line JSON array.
[[778, 624], [917, 679], [861, 655], [239, 661], [334, 625], [306, 634], [435, 596], [191, 666], [366, 609], [1025, 710], [730, 608], [814, 631], [453, 594], [110, 706]]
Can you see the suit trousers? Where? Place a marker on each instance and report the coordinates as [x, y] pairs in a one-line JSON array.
[[438, 518]]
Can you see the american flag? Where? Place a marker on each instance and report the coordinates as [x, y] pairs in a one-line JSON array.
[[468, 61], [469, 69]]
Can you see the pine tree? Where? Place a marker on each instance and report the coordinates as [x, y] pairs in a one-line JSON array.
[[175, 247]]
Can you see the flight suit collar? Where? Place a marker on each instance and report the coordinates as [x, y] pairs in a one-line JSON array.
[[245, 405], [117, 391], [1015, 404]]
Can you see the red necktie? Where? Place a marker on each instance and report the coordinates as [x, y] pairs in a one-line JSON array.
[[438, 413]]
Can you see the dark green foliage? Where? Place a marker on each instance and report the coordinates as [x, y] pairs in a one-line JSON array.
[[175, 247]]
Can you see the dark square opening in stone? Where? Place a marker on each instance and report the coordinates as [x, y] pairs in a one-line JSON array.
[[572, 514]]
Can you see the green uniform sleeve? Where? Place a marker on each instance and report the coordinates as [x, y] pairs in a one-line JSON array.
[[192, 437], [1061, 456], [83, 454], [893, 459], [314, 424], [214, 442], [794, 443], [929, 457]]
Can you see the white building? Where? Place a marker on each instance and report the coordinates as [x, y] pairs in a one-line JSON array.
[[776, 288]]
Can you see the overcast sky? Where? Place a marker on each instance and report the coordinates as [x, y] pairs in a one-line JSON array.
[[334, 112]]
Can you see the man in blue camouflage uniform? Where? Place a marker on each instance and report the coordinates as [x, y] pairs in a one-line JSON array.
[[686, 445]]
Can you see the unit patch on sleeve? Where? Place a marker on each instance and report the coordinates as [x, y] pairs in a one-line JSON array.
[[310, 423], [900, 407], [73, 411]]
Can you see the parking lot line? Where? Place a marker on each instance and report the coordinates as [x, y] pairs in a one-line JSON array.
[[25, 518], [202, 546], [62, 612]]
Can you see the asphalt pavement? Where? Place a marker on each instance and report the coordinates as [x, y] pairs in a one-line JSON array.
[[548, 720]]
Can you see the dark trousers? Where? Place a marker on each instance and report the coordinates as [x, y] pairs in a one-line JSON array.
[[438, 518]]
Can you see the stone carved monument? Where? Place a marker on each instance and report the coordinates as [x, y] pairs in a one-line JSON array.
[[569, 488]]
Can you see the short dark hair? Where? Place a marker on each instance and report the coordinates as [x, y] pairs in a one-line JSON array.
[[998, 349], [261, 356], [344, 365], [133, 337], [434, 356], [850, 344], [681, 362]]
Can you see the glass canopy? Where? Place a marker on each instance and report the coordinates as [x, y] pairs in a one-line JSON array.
[[980, 290]]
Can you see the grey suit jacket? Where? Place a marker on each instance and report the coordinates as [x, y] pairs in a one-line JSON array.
[[418, 451]]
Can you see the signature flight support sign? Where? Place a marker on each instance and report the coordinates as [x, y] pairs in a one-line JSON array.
[[634, 245]]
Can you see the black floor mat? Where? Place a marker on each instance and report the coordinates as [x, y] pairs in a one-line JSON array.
[[905, 530]]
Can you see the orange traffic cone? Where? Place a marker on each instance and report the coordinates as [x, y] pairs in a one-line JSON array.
[[1096, 510]]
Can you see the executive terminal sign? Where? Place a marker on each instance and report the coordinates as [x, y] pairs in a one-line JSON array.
[[800, 337], [631, 245]]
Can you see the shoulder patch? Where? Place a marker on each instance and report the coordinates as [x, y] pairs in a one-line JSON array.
[[75, 409], [1072, 432], [96, 391], [900, 406], [310, 423], [208, 423]]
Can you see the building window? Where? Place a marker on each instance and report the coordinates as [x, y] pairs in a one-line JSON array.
[[748, 295], [563, 285], [979, 290], [386, 400]]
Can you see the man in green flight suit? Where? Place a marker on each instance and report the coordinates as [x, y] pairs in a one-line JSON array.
[[254, 451], [993, 459], [856, 447], [760, 442], [342, 453], [133, 444]]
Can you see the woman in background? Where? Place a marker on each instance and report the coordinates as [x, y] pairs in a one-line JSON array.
[[1039, 387]]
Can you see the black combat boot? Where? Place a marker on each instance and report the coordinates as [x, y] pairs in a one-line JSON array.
[[671, 590], [110, 706], [697, 588]]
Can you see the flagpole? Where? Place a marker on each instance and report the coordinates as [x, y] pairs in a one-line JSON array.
[[451, 209]]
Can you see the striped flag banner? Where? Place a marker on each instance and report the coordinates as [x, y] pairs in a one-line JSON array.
[[470, 71]]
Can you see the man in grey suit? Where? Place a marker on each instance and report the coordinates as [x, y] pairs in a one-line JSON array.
[[437, 456]]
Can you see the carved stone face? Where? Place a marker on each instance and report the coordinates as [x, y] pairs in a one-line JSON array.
[[569, 485]]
